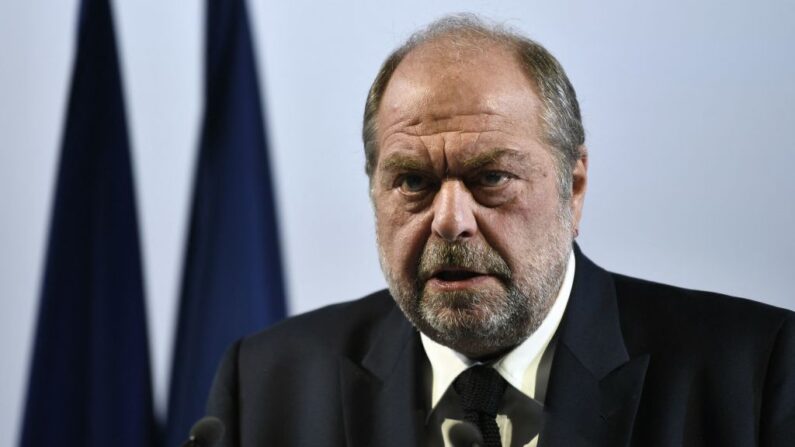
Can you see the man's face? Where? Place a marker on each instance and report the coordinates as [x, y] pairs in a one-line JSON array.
[[472, 232]]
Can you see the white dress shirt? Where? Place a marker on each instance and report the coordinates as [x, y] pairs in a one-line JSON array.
[[520, 412]]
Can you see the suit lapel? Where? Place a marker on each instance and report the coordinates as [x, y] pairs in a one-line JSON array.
[[382, 398], [594, 386]]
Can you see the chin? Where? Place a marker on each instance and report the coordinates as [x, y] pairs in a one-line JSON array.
[[476, 324], [472, 343]]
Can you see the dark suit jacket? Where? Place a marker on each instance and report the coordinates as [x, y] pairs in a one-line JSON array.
[[637, 363]]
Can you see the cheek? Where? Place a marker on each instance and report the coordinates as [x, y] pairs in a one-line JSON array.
[[402, 236], [515, 229]]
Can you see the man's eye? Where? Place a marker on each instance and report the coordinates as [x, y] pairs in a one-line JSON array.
[[493, 178], [414, 183]]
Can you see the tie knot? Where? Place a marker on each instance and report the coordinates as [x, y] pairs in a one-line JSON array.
[[480, 388]]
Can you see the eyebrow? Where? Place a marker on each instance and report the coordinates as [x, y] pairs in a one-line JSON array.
[[400, 162], [490, 156]]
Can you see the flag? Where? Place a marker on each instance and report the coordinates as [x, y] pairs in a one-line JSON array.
[[232, 276], [90, 383]]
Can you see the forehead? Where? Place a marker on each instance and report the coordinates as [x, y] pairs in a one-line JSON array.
[[452, 74], [458, 92]]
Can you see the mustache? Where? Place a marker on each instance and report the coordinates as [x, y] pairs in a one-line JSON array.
[[439, 254]]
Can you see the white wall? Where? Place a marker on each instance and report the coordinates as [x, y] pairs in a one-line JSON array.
[[688, 108]]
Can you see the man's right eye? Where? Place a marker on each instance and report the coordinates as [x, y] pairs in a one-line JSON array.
[[413, 183]]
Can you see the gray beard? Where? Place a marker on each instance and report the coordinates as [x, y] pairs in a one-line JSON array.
[[479, 324]]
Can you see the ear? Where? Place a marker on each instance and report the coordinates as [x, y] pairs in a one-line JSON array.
[[579, 183]]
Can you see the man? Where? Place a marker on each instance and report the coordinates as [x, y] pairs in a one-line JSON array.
[[494, 318]]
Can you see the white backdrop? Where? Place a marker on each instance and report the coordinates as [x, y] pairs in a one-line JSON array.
[[688, 109]]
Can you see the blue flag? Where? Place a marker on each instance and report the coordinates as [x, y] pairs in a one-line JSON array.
[[232, 277], [90, 382]]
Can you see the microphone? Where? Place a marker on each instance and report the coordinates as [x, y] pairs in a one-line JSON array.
[[465, 434], [205, 433]]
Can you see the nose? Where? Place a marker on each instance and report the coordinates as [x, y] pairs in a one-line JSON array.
[[453, 212]]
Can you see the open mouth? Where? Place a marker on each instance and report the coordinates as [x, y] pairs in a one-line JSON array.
[[455, 275], [456, 278]]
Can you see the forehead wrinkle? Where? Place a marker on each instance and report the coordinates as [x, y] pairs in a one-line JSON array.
[[406, 126], [432, 123], [475, 122]]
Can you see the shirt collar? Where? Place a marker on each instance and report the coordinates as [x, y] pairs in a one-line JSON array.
[[519, 366]]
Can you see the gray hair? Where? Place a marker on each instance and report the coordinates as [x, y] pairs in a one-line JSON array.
[[561, 120]]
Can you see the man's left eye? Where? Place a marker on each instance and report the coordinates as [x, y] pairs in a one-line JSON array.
[[493, 178]]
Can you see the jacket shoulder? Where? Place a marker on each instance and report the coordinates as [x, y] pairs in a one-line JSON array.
[[654, 314], [291, 372], [339, 329]]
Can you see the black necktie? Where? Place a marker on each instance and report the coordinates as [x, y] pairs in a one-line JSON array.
[[481, 388]]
